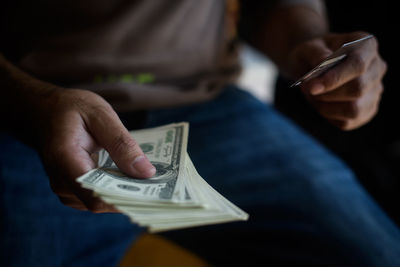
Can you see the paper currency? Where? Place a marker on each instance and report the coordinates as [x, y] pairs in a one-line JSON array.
[[175, 197], [331, 61]]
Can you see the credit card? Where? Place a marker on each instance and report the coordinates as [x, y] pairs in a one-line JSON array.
[[335, 58]]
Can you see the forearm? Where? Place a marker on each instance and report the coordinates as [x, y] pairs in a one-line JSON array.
[[288, 25], [22, 100]]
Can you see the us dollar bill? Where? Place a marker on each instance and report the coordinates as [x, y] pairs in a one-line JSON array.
[[214, 209], [165, 147], [175, 197]]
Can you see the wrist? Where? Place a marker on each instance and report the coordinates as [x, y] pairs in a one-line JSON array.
[[24, 101], [286, 28]]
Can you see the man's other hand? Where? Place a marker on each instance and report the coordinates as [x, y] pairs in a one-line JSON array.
[[348, 94]]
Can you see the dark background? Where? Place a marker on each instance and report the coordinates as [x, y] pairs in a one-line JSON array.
[[372, 151]]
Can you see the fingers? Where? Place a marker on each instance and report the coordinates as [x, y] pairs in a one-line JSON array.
[[354, 65], [347, 110], [348, 115], [97, 206], [73, 195], [111, 134], [351, 124], [359, 86], [356, 102], [81, 124], [348, 95]]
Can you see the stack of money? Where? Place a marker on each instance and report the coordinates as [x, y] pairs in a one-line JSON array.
[[175, 197]]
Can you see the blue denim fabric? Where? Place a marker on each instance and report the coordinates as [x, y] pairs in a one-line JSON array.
[[305, 205], [37, 230]]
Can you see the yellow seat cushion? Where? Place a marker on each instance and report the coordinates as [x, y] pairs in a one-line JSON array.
[[154, 251]]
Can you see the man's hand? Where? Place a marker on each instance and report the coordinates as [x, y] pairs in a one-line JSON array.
[[77, 124], [348, 95], [67, 126]]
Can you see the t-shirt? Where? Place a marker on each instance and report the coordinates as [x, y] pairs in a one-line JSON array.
[[137, 54]]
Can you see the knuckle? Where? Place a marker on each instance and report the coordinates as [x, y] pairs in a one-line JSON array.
[[359, 63], [120, 143], [98, 113], [123, 144], [357, 88], [101, 109], [353, 110]]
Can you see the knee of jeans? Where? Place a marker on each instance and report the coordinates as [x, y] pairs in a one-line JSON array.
[[328, 183]]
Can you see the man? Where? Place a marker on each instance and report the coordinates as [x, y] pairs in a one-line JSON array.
[[161, 61]]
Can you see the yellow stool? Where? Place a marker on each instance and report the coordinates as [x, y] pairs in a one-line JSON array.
[[155, 251]]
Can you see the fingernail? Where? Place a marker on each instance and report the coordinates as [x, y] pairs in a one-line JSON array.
[[317, 89], [143, 165]]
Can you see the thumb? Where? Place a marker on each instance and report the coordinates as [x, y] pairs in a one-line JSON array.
[[111, 134], [315, 52], [310, 54]]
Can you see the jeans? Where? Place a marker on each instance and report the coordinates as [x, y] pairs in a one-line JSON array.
[[305, 205]]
